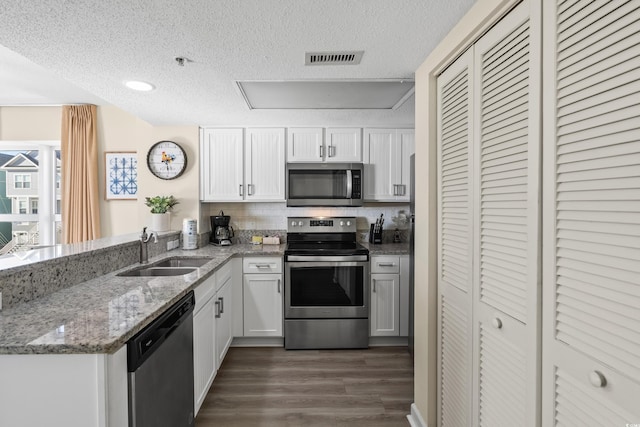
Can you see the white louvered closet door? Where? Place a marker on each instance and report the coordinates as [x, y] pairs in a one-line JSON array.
[[592, 214], [455, 237], [506, 294]]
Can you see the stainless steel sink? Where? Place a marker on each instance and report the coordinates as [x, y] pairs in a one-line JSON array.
[[174, 266], [158, 271], [181, 262]]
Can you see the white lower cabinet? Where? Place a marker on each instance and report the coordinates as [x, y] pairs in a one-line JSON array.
[[212, 329], [389, 305], [223, 313], [64, 390], [262, 296], [204, 341], [385, 297]]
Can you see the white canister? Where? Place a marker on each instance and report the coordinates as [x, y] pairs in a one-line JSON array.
[[189, 234]]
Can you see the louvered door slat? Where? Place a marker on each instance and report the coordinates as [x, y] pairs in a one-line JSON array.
[[592, 214], [454, 244], [502, 381], [454, 373]]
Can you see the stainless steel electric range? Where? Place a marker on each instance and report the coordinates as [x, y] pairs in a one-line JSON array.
[[326, 285]]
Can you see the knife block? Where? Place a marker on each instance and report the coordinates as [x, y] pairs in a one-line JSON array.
[[374, 237]]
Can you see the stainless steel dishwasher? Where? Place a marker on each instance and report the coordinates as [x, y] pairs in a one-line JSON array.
[[160, 365]]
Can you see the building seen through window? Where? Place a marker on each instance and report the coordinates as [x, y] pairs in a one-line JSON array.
[[30, 197]]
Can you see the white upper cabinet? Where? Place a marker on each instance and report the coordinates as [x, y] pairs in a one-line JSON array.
[[264, 164], [221, 165], [386, 157], [305, 145], [343, 144], [324, 145], [236, 167]]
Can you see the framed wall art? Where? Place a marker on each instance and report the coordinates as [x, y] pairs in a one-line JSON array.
[[121, 175]]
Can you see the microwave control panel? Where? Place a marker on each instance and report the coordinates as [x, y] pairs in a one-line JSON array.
[[356, 191]]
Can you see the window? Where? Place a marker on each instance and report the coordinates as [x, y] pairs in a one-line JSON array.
[[22, 181], [30, 196]]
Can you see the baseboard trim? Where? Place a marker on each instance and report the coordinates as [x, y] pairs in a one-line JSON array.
[[279, 342], [388, 341], [415, 418], [257, 342]]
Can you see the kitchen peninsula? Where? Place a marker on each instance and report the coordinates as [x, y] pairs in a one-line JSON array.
[[63, 358]]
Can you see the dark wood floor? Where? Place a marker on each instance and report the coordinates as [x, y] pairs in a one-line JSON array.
[[328, 388]]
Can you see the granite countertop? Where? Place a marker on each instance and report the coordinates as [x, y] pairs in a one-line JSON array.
[[387, 248], [102, 314]]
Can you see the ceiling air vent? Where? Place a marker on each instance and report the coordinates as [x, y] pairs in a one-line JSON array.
[[333, 58]]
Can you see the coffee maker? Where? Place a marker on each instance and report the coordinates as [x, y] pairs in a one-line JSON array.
[[221, 231]]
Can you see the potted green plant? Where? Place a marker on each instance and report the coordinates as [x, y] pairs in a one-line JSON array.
[[160, 211]]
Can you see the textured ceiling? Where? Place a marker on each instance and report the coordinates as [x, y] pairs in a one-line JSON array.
[[97, 44]]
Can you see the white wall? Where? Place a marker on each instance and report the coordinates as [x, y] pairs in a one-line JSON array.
[[119, 131]]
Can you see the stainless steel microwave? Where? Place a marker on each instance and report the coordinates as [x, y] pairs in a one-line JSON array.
[[324, 184]]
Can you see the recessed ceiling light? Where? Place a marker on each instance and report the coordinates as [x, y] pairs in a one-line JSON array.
[[139, 85]]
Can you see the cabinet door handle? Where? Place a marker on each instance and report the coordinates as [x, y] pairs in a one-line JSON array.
[[250, 189], [321, 151], [597, 379], [373, 283], [263, 266], [386, 264], [221, 304], [241, 193], [497, 323], [279, 286], [403, 189], [395, 189], [332, 150], [217, 303]]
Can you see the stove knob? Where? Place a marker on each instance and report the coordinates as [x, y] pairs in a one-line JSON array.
[[293, 223], [341, 223], [300, 223], [348, 223]]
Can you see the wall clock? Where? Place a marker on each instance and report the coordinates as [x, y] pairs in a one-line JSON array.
[[166, 160]]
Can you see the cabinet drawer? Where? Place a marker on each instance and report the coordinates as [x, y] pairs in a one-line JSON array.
[[262, 265], [223, 274], [204, 292], [385, 264]]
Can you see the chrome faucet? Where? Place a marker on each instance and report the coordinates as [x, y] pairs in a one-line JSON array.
[[144, 239]]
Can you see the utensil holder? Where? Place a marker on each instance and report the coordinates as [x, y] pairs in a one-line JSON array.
[[375, 237]]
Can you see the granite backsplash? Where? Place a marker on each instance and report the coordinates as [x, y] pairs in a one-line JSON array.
[[29, 281]]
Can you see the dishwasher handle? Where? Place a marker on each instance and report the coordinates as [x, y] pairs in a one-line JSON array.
[[145, 342]]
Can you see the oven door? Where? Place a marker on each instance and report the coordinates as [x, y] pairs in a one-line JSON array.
[[326, 289]]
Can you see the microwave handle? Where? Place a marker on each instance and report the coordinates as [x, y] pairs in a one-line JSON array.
[[349, 184]]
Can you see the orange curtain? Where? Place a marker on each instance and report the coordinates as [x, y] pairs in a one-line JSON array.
[[79, 150]]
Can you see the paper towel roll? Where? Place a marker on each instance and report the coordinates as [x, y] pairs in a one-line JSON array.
[[189, 233]]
